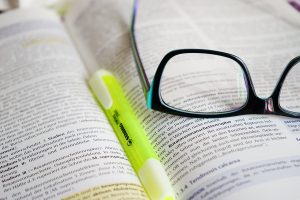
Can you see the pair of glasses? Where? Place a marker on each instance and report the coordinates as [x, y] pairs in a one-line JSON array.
[[204, 83]]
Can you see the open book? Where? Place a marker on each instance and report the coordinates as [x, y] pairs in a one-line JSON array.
[[55, 142]]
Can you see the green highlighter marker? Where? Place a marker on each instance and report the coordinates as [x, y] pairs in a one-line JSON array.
[[131, 136]]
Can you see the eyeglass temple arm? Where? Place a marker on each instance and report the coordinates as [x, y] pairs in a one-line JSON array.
[[136, 55]]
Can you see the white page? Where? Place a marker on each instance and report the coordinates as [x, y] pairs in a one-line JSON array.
[[283, 9], [54, 139], [205, 159]]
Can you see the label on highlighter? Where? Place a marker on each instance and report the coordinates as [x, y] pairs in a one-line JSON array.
[[122, 128]]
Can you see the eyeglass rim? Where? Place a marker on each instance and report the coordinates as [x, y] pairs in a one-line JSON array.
[[253, 104]]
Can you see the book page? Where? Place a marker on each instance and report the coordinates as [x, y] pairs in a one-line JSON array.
[[55, 143], [226, 158], [288, 10]]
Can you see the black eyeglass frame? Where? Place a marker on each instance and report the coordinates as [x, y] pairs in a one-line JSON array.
[[253, 105]]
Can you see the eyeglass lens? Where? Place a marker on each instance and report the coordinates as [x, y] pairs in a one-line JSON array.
[[203, 83], [289, 97]]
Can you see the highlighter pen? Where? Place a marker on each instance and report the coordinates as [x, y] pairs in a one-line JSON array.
[[131, 136]]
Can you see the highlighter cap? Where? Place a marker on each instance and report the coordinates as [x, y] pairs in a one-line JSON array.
[[100, 89], [155, 180]]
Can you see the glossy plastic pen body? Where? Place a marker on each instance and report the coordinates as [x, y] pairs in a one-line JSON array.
[[131, 135]]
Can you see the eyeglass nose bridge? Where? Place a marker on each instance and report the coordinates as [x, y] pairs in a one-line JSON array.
[[269, 106], [264, 106]]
